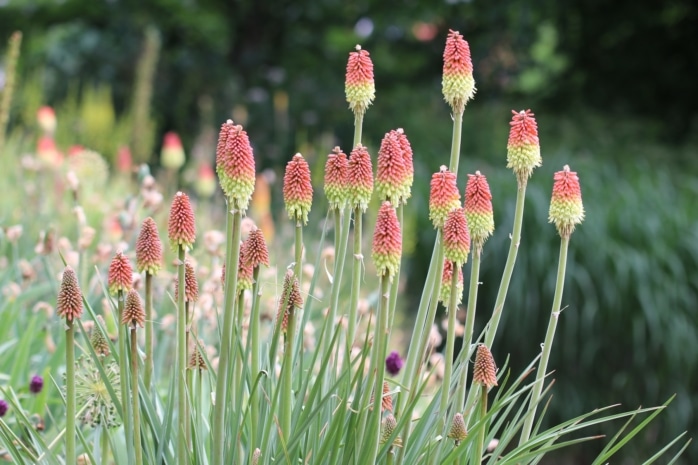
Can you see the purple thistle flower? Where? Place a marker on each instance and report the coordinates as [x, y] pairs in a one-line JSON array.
[[393, 363], [36, 384], [3, 408]]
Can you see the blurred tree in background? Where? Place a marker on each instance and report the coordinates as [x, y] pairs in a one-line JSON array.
[[612, 84]]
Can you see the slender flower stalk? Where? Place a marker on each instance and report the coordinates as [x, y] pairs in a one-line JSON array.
[[8, 91], [235, 166], [119, 282], [485, 376], [134, 316], [69, 306], [359, 87], [182, 234], [191, 295], [290, 300], [148, 261], [566, 211], [478, 211]]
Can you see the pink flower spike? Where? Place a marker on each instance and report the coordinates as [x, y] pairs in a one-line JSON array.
[[478, 209], [391, 176], [359, 86], [148, 248], [256, 252], [181, 227], [191, 285], [387, 241], [337, 179], [407, 161], [566, 208], [245, 270], [235, 165], [69, 303], [456, 237], [298, 191], [457, 82], [360, 176], [444, 196], [446, 276], [120, 276], [523, 148]]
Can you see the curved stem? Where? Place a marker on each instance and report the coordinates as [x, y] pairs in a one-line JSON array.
[[234, 218], [181, 362], [70, 392], [469, 327], [548, 345], [148, 369], [135, 402]]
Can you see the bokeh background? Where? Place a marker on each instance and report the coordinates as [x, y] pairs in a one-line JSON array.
[[612, 85]]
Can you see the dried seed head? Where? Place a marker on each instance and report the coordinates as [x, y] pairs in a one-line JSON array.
[[255, 247], [388, 426], [386, 399], [478, 209], [484, 369], [360, 178], [387, 242], [191, 285], [443, 197], [181, 227], [458, 431], [359, 86], [445, 291], [298, 191], [523, 148], [196, 359], [566, 208], [235, 165], [133, 314], [337, 179], [290, 299], [172, 155], [456, 237], [98, 340], [120, 274], [149, 248], [457, 82], [69, 302], [392, 177]]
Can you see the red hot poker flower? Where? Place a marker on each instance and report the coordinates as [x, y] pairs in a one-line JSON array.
[[255, 247], [387, 241], [191, 285], [478, 209], [444, 196], [149, 248], [133, 314], [69, 303], [360, 178], [235, 164], [181, 227], [446, 276], [484, 369], [391, 175], [523, 148], [407, 161], [359, 86], [336, 179], [457, 82], [456, 237], [566, 208], [298, 191], [120, 274]]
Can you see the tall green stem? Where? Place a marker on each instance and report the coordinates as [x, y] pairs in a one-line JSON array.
[[508, 268], [298, 249], [469, 327], [148, 368], [358, 125], [380, 344], [356, 272], [10, 73], [548, 345], [70, 392], [455, 142], [181, 362], [234, 218], [104, 445], [336, 278], [450, 344], [236, 374], [395, 287], [123, 375], [254, 354], [480, 443], [135, 401]]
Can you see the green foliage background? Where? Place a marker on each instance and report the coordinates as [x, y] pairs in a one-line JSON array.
[[611, 85]]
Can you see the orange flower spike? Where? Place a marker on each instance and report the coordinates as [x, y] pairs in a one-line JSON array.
[[523, 148], [445, 291], [444, 196], [478, 209], [69, 302], [120, 276], [387, 241], [457, 82], [133, 314], [181, 227], [255, 249], [391, 175], [298, 191], [456, 237], [407, 161], [289, 300], [566, 208], [235, 165], [149, 248], [359, 87], [484, 369], [360, 178], [337, 179]]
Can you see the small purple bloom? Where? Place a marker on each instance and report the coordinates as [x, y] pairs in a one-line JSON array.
[[3, 408], [393, 363], [36, 384]]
